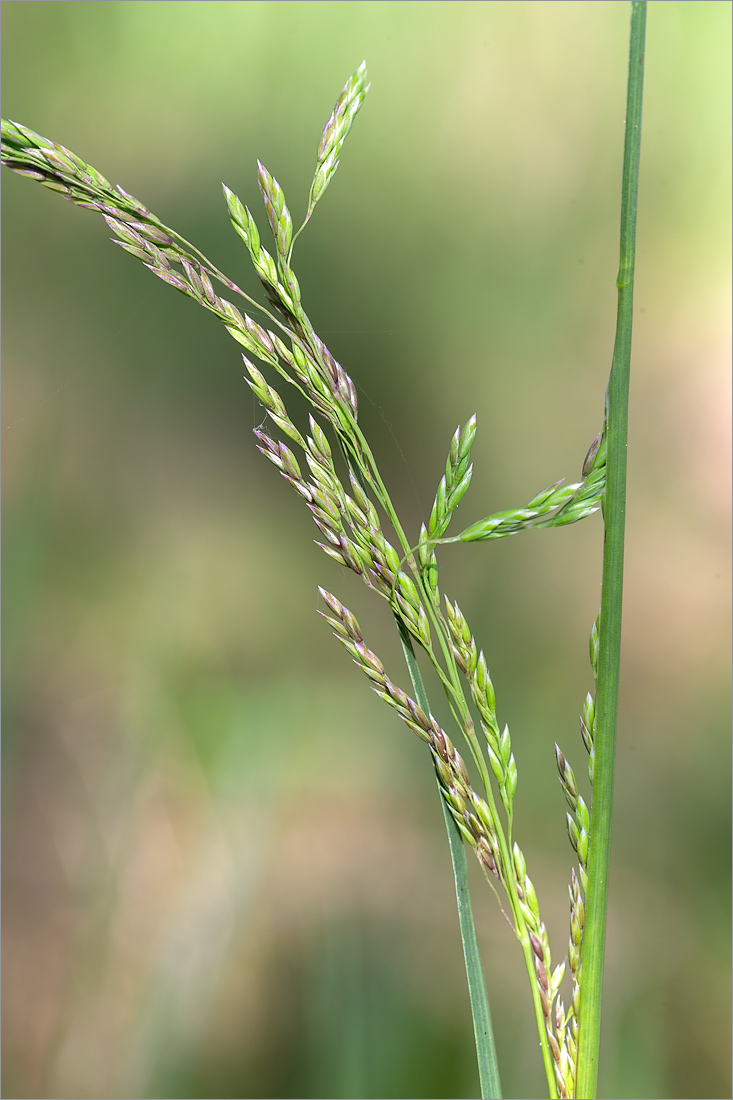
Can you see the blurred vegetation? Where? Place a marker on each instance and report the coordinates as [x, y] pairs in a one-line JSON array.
[[225, 873]]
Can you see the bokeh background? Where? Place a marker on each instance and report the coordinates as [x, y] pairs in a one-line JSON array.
[[225, 871]]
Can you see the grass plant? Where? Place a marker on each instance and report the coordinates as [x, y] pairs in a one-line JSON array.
[[330, 465]]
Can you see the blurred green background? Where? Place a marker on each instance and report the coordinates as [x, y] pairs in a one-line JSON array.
[[225, 869]]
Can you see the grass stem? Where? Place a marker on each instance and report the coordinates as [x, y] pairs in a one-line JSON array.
[[614, 510]]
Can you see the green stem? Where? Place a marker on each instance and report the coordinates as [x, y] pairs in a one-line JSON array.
[[609, 654], [483, 1032]]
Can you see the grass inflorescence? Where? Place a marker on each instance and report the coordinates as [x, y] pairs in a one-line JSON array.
[[359, 528]]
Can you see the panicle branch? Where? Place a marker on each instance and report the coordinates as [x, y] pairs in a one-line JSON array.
[[451, 490], [335, 132], [471, 813], [555, 506], [56, 167], [548, 980], [579, 822], [472, 664]]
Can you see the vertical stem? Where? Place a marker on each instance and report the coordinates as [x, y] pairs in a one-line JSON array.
[[609, 654], [488, 1067]]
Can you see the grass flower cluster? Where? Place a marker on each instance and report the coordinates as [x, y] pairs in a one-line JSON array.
[[331, 467]]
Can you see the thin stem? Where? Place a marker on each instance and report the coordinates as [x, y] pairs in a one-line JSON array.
[[617, 400], [488, 1067]]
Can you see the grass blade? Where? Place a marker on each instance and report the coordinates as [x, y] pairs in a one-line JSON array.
[[488, 1066]]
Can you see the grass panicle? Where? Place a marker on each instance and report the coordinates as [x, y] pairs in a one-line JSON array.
[[348, 518], [358, 527]]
